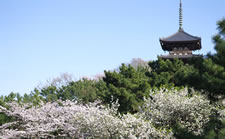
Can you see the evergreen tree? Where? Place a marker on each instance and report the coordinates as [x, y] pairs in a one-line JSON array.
[[129, 85], [213, 77], [84, 90], [169, 73]]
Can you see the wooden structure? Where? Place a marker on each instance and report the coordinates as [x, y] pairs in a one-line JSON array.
[[181, 44]]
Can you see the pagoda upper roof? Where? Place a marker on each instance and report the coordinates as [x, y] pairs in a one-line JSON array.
[[180, 36], [180, 40]]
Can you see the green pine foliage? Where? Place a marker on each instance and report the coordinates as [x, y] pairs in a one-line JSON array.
[[171, 73], [85, 90], [5, 119], [213, 77], [129, 85]]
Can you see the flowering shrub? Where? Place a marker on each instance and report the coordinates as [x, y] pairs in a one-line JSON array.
[[160, 112], [70, 119], [169, 107], [39, 121]]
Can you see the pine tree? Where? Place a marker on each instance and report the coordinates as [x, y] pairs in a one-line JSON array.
[[129, 85], [214, 66]]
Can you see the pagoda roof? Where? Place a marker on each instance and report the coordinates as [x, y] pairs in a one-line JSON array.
[[180, 40], [180, 36]]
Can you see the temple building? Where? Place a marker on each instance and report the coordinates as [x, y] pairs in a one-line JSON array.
[[181, 44]]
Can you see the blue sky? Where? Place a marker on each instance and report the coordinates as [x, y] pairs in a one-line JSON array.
[[40, 39]]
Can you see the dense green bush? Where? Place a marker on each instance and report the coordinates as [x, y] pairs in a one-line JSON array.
[[129, 86]]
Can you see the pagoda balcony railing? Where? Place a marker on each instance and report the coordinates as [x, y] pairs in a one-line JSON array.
[[183, 52]]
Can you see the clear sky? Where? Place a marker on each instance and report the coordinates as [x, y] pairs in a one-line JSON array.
[[40, 39]]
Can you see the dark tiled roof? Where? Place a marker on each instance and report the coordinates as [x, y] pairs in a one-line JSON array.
[[180, 36], [181, 40]]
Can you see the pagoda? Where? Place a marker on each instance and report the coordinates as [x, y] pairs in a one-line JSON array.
[[181, 44]]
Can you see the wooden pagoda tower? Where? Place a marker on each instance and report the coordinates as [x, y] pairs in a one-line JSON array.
[[181, 44]]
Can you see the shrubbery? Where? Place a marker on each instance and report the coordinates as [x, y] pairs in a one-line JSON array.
[[157, 118], [70, 119], [167, 108]]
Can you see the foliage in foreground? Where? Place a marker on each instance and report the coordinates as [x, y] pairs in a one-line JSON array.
[[70, 119], [167, 108], [161, 111]]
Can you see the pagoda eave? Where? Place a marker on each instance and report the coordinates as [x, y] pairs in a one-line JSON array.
[[171, 45]]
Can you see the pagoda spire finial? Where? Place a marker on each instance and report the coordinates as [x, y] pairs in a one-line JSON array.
[[180, 17]]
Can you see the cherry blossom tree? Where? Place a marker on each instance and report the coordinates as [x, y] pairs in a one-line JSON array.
[[70, 119], [167, 108]]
